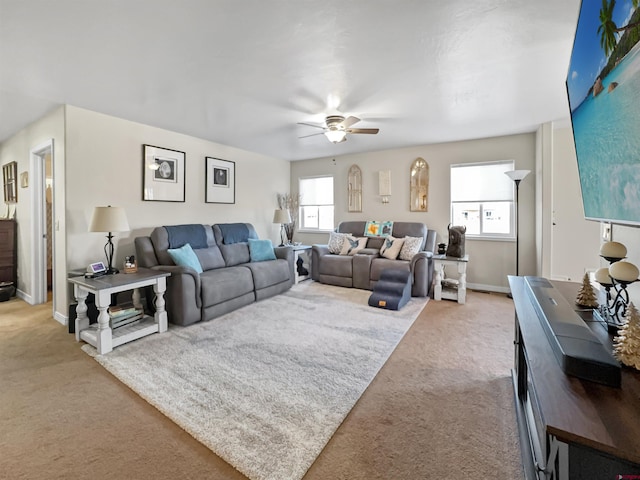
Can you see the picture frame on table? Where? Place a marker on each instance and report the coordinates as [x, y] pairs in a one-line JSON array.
[[220, 181], [163, 174]]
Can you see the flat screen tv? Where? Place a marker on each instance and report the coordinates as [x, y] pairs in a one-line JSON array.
[[603, 86]]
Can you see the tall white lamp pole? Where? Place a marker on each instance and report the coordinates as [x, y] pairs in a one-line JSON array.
[[517, 176]]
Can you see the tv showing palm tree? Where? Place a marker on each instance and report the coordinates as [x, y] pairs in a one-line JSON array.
[[603, 87]]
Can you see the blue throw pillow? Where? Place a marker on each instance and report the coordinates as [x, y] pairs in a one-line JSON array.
[[185, 257], [261, 250]]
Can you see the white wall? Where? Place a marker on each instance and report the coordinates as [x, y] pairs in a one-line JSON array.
[[490, 261], [575, 241], [17, 148], [104, 167]]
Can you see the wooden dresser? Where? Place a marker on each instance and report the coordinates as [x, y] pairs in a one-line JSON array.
[[8, 252]]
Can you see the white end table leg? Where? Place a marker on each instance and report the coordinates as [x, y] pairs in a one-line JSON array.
[[437, 291], [161, 315], [103, 340], [135, 298], [462, 282], [82, 321]]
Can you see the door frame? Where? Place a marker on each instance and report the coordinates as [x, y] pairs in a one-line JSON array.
[[38, 222]]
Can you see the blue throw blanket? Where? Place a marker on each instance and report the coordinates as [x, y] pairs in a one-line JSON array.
[[235, 233], [193, 234]]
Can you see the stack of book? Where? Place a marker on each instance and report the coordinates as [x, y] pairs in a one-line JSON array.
[[121, 315]]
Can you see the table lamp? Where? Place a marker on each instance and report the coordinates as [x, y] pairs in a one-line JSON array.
[[109, 219], [282, 217]]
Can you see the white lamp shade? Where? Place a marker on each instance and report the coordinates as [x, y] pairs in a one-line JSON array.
[[517, 175], [335, 136], [281, 216], [109, 219], [624, 271], [613, 250]]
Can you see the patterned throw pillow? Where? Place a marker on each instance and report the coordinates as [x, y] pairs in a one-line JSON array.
[[335, 242], [353, 245], [372, 228], [410, 247], [391, 247]]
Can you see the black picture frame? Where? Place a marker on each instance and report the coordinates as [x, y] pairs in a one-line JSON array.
[[220, 181], [163, 176]]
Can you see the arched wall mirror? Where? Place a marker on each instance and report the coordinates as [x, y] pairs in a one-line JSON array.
[[419, 186], [354, 189]]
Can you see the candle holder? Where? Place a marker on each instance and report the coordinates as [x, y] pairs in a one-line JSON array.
[[617, 296]]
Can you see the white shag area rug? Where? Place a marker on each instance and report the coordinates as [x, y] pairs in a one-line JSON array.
[[266, 386]]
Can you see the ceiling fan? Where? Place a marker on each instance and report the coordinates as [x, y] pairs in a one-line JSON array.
[[336, 128]]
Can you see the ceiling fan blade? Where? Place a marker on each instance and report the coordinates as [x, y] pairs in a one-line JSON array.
[[363, 130], [311, 125], [312, 135], [347, 122]]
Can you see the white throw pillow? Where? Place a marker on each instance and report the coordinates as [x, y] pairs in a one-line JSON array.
[[353, 245], [335, 242], [391, 247], [410, 247]]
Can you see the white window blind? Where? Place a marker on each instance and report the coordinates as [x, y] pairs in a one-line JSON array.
[[483, 198], [482, 182], [316, 191]]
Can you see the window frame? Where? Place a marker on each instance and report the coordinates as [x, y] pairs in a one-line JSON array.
[[511, 235], [302, 204]]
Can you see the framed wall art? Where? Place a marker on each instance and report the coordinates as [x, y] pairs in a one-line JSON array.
[[9, 174], [220, 181], [164, 174]]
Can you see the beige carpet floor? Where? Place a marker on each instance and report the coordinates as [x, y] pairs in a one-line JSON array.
[[440, 408]]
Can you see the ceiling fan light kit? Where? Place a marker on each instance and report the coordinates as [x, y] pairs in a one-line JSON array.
[[336, 128], [336, 136]]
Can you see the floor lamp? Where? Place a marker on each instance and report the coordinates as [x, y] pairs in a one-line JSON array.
[[517, 176]]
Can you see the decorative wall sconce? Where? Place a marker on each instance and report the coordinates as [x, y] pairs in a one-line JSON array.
[[615, 280], [384, 185]]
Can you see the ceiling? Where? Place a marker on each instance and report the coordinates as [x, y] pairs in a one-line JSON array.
[[244, 73]]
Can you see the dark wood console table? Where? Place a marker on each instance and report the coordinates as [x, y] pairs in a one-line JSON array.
[[570, 428]]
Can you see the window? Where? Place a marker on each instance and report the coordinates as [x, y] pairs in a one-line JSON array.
[[316, 203], [482, 199]]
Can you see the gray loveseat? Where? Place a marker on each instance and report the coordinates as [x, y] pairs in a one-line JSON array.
[[229, 279], [363, 270]]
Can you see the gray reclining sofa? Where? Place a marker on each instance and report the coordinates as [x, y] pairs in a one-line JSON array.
[[229, 279], [363, 270]]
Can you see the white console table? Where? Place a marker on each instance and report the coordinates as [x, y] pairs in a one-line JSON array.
[[450, 288], [100, 335]]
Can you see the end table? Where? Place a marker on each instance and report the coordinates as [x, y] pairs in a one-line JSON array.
[[450, 288]]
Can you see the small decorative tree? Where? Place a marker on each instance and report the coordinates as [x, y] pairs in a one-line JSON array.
[[626, 345], [586, 296], [290, 202]]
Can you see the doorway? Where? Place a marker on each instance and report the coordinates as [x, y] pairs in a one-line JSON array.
[[42, 223]]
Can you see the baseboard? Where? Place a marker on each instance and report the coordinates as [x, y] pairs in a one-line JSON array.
[[60, 318], [24, 296], [480, 287]]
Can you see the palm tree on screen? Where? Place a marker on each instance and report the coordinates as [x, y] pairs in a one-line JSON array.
[[608, 28]]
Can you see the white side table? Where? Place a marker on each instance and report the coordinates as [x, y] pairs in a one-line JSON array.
[[450, 288], [100, 334], [302, 252]]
